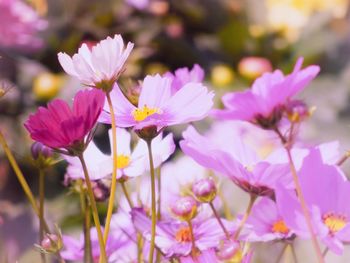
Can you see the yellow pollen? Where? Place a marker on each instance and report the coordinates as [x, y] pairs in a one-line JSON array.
[[140, 114], [183, 235], [122, 161], [280, 227], [334, 222]]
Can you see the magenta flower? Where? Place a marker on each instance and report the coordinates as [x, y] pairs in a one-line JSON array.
[[256, 178], [19, 25], [158, 107], [182, 76], [99, 67], [173, 237], [326, 191], [265, 223], [59, 126], [262, 103]]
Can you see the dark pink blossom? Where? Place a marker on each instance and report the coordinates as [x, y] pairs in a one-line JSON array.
[[59, 126]]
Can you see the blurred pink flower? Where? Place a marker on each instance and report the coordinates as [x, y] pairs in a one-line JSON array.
[[262, 103], [326, 191], [158, 107], [99, 67], [59, 126], [182, 76], [242, 167], [253, 67], [19, 25]]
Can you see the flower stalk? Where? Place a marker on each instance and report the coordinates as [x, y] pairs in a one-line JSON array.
[[246, 215]]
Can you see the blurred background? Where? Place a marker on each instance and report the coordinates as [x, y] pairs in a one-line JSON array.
[[235, 41]]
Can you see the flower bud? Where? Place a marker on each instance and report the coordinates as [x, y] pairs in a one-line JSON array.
[[39, 150], [51, 243], [297, 111], [230, 251], [184, 208], [204, 190], [253, 67], [100, 190]]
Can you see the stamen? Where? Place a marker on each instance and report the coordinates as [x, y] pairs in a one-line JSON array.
[[183, 235], [334, 222], [122, 161], [280, 227], [140, 114]]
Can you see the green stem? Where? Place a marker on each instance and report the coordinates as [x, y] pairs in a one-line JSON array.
[[41, 209], [282, 253], [159, 202], [87, 223], [246, 215], [219, 220], [114, 171], [103, 257], [153, 190], [21, 179]]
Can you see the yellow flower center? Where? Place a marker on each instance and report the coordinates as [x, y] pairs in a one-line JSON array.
[[140, 114], [334, 222], [183, 235], [280, 227], [122, 161]]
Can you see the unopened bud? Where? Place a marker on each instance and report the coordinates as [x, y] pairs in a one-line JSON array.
[[51, 243], [253, 67], [297, 111], [184, 208], [230, 251], [204, 190], [39, 150]]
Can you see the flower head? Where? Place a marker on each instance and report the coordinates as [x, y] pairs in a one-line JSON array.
[[59, 126], [257, 178], [19, 25], [99, 67], [183, 76], [329, 209], [263, 103], [158, 107]]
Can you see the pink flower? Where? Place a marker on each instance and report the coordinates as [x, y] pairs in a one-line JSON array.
[[19, 25], [59, 126], [99, 67], [265, 223], [263, 102], [182, 76], [258, 177], [159, 108], [326, 191]]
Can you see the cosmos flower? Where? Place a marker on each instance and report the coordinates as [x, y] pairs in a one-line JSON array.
[[263, 103], [130, 163], [59, 126], [182, 76], [157, 107], [265, 223], [99, 67], [173, 237], [329, 209], [258, 177], [19, 26]]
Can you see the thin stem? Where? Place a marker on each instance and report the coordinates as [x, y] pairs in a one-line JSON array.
[[287, 146], [219, 220], [103, 257], [127, 196], [87, 224], [246, 215], [153, 190], [293, 253], [344, 158], [41, 209], [114, 171], [282, 253], [159, 180], [304, 207], [21, 179], [325, 251]]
